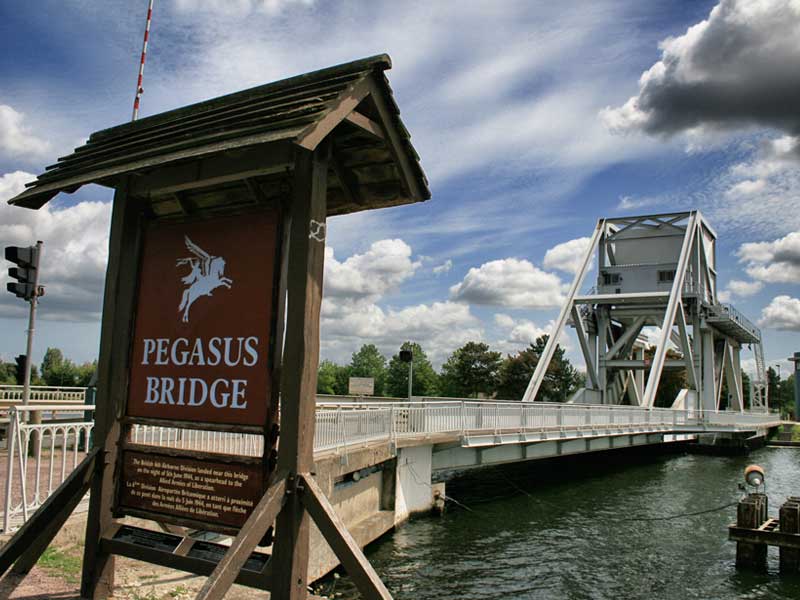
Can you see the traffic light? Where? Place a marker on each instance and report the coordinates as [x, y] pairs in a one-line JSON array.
[[20, 370], [27, 261]]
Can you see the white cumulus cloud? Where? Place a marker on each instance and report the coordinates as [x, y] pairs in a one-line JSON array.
[[736, 68], [353, 310], [773, 262], [74, 256], [509, 282], [383, 267], [567, 256], [16, 140], [782, 313]]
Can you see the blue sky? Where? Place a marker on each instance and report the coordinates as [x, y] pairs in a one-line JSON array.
[[533, 119]]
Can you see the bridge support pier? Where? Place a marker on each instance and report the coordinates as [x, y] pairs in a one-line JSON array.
[[790, 523], [751, 514]]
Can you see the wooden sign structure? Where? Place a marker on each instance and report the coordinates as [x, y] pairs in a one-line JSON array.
[[218, 231]]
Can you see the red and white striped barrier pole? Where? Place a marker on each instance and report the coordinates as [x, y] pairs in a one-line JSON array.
[[139, 89]]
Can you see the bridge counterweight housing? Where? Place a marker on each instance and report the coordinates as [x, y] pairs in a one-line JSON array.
[[656, 271]]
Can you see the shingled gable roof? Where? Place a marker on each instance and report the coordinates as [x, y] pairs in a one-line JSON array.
[[373, 161]]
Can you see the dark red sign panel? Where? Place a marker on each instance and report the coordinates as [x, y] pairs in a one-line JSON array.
[[220, 493], [202, 335]]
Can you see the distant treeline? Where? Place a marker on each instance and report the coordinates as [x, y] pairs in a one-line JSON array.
[[472, 371], [55, 370]]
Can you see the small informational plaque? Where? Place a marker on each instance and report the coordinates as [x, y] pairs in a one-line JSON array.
[[156, 540], [361, 386], [202, 338], [222, 494], [215, 553]]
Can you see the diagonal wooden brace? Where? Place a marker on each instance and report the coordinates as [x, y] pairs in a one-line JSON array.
[[262, 517], [341, 542], [32, 539]]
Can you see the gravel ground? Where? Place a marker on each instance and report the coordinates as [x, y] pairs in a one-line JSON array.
[[57, 576]]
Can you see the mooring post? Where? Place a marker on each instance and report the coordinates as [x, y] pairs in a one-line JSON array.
[[790, 523], [751, 514]]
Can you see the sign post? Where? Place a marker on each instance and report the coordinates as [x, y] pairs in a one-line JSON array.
[[211, 315]]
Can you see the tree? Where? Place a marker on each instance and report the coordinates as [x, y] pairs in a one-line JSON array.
[[369, 362], [425, 378], [773, 385], [515, 374], [85, 372], [8, 373], [326, 377], [57, 370], [51, 363], [332, 378], [560, 381], [787, 401], [470, 371]]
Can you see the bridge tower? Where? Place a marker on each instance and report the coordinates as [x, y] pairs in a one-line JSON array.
[[656, 271]]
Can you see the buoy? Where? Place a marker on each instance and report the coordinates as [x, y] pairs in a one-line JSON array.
[[754, 475]]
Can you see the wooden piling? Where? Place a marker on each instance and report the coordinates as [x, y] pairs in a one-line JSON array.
[[790, 523], [751, 513]]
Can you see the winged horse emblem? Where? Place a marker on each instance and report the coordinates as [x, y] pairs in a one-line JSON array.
[[207, 274]]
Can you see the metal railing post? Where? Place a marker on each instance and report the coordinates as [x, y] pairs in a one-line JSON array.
[[11, 443], [22, 455]]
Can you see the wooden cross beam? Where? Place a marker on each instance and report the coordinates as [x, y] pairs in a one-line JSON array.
[[250, 535], [32, 539]]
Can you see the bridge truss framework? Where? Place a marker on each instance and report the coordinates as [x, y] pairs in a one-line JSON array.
[[656, 270]]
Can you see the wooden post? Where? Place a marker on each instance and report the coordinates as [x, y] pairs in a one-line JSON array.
[[300, 362], [790, 523], [751, 513], [118, 311]]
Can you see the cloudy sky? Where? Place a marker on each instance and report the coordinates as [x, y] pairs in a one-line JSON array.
[[533, 119]]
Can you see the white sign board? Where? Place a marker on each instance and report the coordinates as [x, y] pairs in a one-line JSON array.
[[361, 386]]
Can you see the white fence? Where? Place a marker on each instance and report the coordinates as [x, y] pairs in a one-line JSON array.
[[56, 447], [41, 456], [11, 395]]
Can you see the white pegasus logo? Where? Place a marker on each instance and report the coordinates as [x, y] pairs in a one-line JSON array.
[[207, 274]]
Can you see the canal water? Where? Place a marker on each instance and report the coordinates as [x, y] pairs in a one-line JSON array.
[[587, 529]]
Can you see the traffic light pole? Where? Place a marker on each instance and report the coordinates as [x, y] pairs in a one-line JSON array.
[[35, 417]]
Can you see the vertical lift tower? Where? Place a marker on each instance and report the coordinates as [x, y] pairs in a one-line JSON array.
[[656, 270]]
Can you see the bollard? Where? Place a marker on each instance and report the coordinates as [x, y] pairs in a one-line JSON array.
[[751, 514], [789, 515]]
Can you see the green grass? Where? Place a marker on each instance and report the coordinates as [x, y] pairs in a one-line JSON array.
[[796, 433], [61, 563]]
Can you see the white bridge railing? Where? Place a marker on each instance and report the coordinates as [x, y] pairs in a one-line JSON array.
[[352, 423], [41, 456]]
